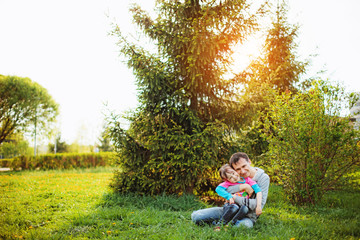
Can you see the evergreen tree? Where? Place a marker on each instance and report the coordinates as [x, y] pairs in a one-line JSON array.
[[277, 68], [281, 65], [177, 137]]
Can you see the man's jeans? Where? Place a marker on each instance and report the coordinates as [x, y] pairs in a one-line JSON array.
[[210, 215]]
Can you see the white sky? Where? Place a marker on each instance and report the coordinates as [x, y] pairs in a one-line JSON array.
[[64, 46]]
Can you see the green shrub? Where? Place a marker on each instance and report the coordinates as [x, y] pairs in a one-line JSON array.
[[6, 162], [62, 161], [163, 157], [14, 145], [310, 145]]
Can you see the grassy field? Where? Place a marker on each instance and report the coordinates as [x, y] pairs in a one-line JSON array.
[[77, 204]]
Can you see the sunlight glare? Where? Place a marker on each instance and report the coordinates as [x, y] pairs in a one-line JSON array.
[[245, 53]]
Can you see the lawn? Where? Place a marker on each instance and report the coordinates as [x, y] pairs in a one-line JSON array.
[[77, 204]]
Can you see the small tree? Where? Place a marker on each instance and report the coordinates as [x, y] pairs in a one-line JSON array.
[[24, 103], [311, 145]]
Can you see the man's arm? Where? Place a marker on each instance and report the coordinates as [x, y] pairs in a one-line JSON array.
[[264, 183], [258, 203], [240, 188]]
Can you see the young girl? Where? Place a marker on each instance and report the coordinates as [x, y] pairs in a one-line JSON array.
[[231, 210]]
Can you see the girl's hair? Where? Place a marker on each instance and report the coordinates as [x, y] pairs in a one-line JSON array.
[[224, 170]]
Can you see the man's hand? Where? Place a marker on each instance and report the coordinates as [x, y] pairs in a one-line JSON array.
[[231, 200], [258, 211], [247, 188]]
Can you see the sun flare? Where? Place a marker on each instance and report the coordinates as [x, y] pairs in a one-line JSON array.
[[245, 53]]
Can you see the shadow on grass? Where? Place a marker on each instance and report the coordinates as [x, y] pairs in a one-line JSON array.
[[337, 216], [129, 216]]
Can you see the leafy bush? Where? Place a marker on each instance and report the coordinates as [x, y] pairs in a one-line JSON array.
[[5, 162], [62, 161], [310, 145], [169, 159], [14, 145]]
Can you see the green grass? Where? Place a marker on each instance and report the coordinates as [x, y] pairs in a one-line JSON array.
[[77, 204]]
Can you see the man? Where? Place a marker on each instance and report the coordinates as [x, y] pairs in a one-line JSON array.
[[240, 162]]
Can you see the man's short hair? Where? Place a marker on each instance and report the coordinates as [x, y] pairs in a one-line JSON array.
[[236, 157]]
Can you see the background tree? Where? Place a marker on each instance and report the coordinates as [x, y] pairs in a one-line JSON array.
[[311, 144], [177, 137], [24, 103], [61, 146], [105, 143], [280, 65], [15, 145]]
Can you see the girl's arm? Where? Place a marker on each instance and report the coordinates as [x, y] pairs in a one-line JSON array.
[[221, 191]]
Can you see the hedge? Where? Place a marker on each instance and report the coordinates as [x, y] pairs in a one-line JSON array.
[[5, 162], [60, 161]]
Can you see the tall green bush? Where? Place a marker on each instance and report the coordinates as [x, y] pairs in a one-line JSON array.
[[178, 135], [311, 145], [170, 159]]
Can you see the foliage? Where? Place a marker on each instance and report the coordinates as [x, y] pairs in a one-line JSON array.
[[76, 204], [351, 181], [76, 147], [105, 143], [310, 143], [178, 163], [278, 67], [61, 146], [62, 161], [24, 103], [178, 135], [250, 140], [14, 145]]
